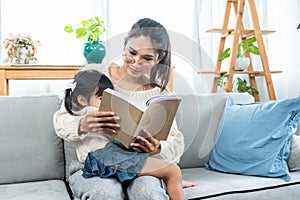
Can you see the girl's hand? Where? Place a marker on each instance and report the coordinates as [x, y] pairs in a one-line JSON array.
[[94, 121], [147, 144]]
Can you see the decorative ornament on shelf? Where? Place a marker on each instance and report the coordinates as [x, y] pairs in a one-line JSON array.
[[21, 49], [90, 31]]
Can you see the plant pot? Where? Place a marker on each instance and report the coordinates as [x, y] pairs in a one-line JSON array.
[[94, 52], [24, 56], [241, 64]]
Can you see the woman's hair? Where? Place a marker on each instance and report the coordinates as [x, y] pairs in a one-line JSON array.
[[86, 83], [160, 73]]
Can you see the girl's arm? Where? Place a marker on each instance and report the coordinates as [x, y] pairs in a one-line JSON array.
[[66, 125]]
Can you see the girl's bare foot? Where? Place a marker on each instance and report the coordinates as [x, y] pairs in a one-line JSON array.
[[187, 184]]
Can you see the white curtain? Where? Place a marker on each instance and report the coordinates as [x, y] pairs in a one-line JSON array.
[[284, 45]]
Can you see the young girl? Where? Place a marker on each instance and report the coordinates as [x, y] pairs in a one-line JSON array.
[[104, 156]]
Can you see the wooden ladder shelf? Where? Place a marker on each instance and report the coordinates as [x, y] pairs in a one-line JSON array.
[[239, 34]]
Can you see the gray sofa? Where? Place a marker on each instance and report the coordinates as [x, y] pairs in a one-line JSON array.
[[34, 160]]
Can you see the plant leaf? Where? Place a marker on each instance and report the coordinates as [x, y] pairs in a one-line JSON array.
[[225, 54], [89, 30], [298, 26], [221, 81], [243, 87], [253, 49], [249, 41], [240, 52], [97, 20], [249, 46], [81, 32], [68, 28], [85, 23]]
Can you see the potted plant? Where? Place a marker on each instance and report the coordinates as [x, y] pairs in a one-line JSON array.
[[21, 49], [89, 31], [242, 63], [241, 85], [298, 26]]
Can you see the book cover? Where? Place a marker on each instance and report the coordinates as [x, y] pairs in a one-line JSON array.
[[156, 116]]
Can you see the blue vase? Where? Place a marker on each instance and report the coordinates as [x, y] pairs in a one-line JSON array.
[[94, 52]]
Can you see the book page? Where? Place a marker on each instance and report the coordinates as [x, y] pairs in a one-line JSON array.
[[158, 98], [158, 119], [125, 98]]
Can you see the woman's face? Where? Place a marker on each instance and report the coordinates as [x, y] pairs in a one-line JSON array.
[[139, 56]]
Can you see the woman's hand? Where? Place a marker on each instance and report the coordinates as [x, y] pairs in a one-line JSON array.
[[94, 121], [147, 144]]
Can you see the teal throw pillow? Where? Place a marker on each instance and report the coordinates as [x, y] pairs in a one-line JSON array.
[[254, 139]]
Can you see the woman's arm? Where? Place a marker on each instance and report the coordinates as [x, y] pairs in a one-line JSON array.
[[173, 148]]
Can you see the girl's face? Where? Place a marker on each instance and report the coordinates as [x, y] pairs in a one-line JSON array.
[[95, 100], [139, 56]]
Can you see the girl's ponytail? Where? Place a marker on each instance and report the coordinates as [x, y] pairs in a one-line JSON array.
[[68, 101]]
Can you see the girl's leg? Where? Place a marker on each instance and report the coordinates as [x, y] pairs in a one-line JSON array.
[[169, 172]]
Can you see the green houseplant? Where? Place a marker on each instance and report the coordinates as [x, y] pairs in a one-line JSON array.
[[21, 49], [89, 31], [241, 85], [248, 46]]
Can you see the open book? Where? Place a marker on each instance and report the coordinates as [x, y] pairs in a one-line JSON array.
[[156, 116]]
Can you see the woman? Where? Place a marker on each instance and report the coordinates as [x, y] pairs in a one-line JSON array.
[[144, 73]]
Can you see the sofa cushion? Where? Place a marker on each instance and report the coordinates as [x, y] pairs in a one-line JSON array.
[[30, 149], [197, 118], [41, 190], [254, 139], [72, 163], [219, 186], [294, 158], [298, 130]]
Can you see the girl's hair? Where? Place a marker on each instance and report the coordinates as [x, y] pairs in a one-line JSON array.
[[160, 73], [86, 83]]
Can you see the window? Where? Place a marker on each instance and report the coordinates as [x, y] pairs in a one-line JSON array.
[[45, 21]]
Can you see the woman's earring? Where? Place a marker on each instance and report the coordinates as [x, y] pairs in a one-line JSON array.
[[162, 55]]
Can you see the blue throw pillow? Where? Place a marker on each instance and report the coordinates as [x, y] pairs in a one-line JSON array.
[[254, 139]]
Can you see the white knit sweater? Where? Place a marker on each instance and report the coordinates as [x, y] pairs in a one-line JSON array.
[[66, 127]]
